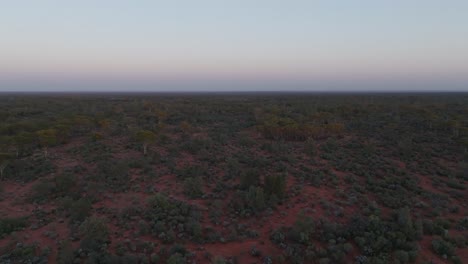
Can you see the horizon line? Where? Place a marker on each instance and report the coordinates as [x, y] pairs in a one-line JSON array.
[[429, 91]]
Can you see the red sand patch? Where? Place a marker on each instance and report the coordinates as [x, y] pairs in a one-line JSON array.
[[12, 199]]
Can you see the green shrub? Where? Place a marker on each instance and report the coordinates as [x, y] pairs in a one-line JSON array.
[[113, 173], [29, 169], [193, 187], [176, 258], [79, 209], [64, 183], [275, 185], [249, 178], [94, 233], [401, 257], [442, 247], [42, 190], [348, 247], [8, 225], [65, 253]]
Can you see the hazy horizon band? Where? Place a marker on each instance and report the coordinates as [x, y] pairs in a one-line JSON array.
[[258, 45]]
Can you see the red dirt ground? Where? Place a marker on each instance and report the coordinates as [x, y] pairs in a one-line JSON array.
[[12, 204]]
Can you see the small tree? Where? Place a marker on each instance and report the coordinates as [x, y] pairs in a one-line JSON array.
[[161, 115], [145, 137], [47, 137]]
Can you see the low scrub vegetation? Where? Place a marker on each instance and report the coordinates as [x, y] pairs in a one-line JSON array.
[[234, 179]]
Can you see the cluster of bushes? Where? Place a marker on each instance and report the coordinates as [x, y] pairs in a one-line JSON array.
[[193, 187], [28, 169], [59, 186], [247, 203], [93, 151], [196, 145], [282, 128], [171, 219], [317, 177], [254, 197], [145, 165], [94, 248], [20, 253], [415, 130], [113, 173], [94, 234], [8, 225], [192, 171], [125, 254], [379, 240], [78, 209], [394, 187]]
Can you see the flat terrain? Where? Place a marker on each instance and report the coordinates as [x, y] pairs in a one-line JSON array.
[[240, 178]]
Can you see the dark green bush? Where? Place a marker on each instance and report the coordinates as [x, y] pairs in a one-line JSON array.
[[79, 209], [193, 187], [8, 225], [113, 173], [94, 234], [442, 247]]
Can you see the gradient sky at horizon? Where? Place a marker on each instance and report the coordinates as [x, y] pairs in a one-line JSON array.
[[234, 45]]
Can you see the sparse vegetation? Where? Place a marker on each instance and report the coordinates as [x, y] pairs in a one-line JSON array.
[[234, 179]]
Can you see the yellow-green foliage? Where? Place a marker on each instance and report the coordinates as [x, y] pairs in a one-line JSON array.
[[282, 128]]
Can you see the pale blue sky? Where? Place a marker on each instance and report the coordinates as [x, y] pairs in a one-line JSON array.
[[234, 44]]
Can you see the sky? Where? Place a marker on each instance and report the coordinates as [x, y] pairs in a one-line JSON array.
[[235, 45]]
